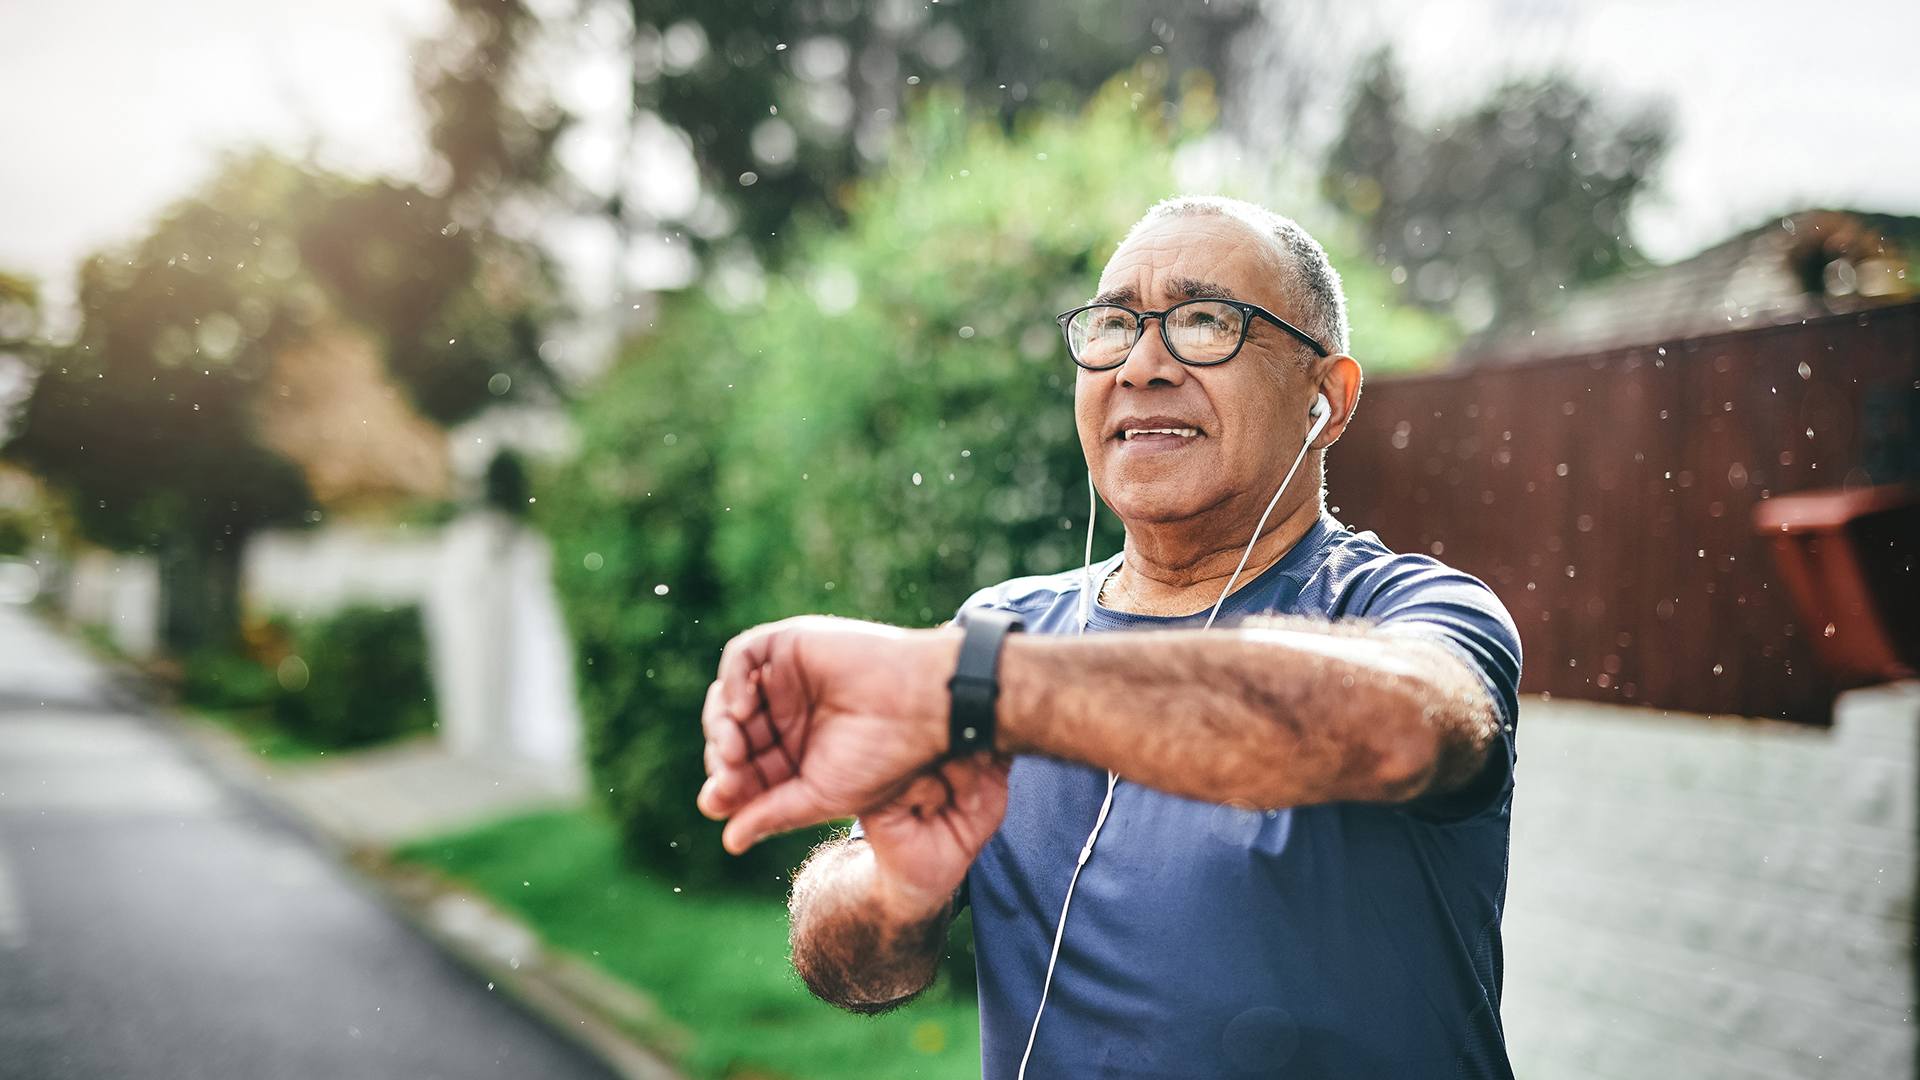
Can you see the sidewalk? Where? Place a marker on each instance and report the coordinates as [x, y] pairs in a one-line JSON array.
[[1714, 898], [387, 795]]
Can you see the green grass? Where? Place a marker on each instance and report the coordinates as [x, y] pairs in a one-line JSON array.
[[256, 728], [716, 963]]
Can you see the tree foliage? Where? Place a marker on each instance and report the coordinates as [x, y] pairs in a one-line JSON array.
[[794, 98], [1490, 213], [148, 418], [469, 82]]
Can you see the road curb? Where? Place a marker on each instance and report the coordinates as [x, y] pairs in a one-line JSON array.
[[622, 1026]]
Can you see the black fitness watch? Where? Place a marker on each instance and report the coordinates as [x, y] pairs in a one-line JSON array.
[[975, 686]]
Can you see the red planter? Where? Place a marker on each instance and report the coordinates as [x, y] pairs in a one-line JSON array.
[[1851, 561]]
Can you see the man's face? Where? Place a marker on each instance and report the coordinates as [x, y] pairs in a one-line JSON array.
[[1235, 427]]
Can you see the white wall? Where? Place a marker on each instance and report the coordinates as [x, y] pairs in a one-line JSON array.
[[120, 593]]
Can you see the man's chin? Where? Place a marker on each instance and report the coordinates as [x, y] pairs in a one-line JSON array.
[[1157, 501]]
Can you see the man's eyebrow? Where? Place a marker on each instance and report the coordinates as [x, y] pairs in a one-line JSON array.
[[1191, 288], [1200, 290]]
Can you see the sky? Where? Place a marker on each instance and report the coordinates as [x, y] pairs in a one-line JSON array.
[[115, 108]]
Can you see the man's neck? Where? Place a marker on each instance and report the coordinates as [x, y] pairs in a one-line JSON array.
[[1166, 572]]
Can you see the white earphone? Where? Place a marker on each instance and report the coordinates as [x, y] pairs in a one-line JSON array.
[[1320, 411]]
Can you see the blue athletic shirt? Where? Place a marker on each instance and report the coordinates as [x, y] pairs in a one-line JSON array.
[[1344, 941]]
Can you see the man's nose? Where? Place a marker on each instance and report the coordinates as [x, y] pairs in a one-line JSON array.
[[1149, 362]]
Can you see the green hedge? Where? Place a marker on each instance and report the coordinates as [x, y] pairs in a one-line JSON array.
[[355, 678]]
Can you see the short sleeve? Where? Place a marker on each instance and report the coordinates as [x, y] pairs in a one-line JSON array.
[[1418, 597]]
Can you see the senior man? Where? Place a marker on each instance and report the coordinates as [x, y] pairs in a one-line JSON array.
[[1273, 848]]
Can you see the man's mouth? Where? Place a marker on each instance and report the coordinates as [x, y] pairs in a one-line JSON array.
[[1130, 434]]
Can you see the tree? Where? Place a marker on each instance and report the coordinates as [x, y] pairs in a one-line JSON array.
[[886, 428], [488, 143], [148, 419], [787, 101], [1490, 213]]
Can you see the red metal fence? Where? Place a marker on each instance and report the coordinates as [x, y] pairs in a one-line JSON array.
[[1608, 498]]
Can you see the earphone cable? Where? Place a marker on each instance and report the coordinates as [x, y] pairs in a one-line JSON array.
[[1060, 929], [1319, 413], [1245, 555]]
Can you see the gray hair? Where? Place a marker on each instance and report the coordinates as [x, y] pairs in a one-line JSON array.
[[1315, 288]]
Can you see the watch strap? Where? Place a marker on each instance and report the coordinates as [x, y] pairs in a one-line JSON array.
[[974, 689]]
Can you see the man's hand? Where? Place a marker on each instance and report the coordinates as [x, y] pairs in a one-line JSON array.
[[816, 718], [869, 918]]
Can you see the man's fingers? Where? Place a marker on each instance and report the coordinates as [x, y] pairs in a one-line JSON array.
[[743, 656], [774, 766], [759, 733], [791, 805], [726, 791], [722, 729]]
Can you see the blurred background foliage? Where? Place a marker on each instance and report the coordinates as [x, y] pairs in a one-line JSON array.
[[785, 102], [150, 418], [358, 677], [156, 421], [877, 432], [1492, 214]]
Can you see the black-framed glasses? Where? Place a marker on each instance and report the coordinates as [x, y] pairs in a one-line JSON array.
[[1199, 333]]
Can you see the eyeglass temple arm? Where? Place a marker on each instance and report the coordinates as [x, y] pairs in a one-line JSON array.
[[1283, 324]]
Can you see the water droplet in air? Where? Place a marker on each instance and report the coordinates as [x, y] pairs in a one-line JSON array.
[[660, 590], [593, 560], [1829, 631]]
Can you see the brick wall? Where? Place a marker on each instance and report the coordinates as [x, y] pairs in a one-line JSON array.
[[1709, 898]]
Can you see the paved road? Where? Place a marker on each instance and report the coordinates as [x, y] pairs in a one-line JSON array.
[[155, 923]]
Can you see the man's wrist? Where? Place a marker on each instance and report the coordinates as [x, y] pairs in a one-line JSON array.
[[902, 904], [938, 656], [1021, 715]]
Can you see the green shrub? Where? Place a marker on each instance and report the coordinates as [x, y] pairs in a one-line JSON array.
[[357, 677], [223, 681]]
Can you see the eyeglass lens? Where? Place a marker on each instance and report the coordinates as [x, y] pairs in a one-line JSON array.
[[1201, 332]]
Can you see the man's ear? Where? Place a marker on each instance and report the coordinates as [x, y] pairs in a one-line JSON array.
[[1339, 379]]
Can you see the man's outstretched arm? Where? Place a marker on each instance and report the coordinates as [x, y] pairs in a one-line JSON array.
[[1284, 712], [813, 719]]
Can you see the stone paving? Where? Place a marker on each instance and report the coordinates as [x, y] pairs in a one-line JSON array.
[[1713, 899]]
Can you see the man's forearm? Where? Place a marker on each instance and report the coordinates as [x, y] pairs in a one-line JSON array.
[[851, 946], [1289, 715]]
